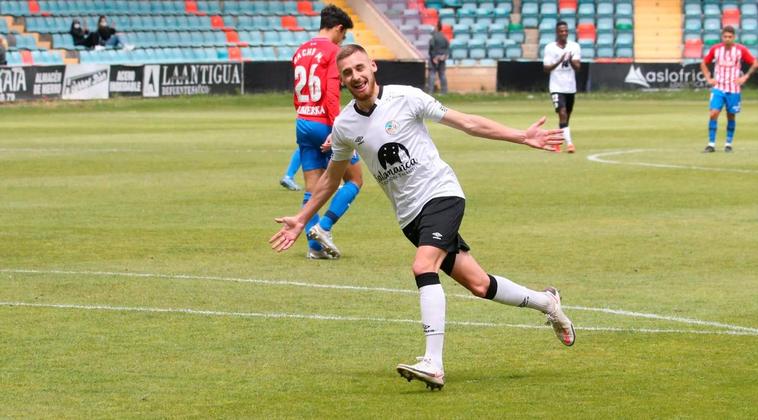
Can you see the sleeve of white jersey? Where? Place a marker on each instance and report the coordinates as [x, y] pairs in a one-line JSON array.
[[425, 106], [342, 149]]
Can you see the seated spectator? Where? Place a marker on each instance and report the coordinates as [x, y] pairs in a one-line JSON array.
[[105, 36], [3, 49], [80, 34]]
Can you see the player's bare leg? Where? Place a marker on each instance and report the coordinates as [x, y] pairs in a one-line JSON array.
[[470, 275]]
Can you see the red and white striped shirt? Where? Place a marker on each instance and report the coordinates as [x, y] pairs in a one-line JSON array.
[[728, 65]]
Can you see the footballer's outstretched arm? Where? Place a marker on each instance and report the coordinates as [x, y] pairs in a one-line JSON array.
[[292, 226], [478, 126]]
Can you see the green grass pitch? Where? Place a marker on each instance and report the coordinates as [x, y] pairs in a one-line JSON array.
[[136, 279]]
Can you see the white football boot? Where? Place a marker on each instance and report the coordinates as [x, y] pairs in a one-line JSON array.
[[312, 254], [424, 371], [324, 238], [562, 325]]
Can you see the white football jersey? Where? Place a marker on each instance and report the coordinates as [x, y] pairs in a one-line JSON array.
[[395, 145], [563, 77]]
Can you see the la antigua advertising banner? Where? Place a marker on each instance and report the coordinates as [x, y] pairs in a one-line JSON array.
[[194, 79]]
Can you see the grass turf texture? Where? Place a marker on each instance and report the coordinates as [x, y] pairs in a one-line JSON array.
[[190, 186]]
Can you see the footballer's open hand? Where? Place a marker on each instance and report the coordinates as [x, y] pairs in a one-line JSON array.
[[287, 235], [539, 138]]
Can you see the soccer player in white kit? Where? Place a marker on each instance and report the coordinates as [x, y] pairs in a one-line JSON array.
[[384, 124], [562, 59]]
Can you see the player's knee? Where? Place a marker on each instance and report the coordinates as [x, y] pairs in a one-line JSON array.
[[421, 267], [479, 290]]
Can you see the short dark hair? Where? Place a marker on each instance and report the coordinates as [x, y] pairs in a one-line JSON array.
[[348, 50], [561, 23], [728, 28], [332, 16]]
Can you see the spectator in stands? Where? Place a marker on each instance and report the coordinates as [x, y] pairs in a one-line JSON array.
[[3, 49], [438, 51], [105, 36], [80, 34]]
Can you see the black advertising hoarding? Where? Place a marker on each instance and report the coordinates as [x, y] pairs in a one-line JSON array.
[[268, 76], [530, 76], [126, 80], [31, 83], [412, 73]]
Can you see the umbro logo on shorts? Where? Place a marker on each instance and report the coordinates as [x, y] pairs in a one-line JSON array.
[[437, 235]]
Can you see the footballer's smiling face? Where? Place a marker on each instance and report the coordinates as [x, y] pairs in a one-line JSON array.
[[562, 34], [357, 74]]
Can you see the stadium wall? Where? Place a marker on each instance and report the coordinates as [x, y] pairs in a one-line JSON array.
[[102, 81]]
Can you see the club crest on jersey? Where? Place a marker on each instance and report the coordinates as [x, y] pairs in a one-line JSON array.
[[391, 127], [396, 162]]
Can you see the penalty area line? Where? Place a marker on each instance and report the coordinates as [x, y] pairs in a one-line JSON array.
[[619, 312], [321, 317]]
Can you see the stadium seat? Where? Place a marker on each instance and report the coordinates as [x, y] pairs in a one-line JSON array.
[[495, 48], [477, 49], [567, 7], [458, 49], [730, 17], [586, 31], [711, 10], [513, 52], [692, 48], [749, 10]]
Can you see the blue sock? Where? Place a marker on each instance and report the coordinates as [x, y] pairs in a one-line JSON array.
[[294, 164], [712, 126], [339, 205], [730, 126], [312, 244]]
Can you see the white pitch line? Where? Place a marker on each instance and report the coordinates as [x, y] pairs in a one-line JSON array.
[[598, 157], [621, 312], [319, 317]]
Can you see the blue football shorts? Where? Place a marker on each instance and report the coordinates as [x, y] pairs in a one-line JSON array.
[[310, 136], [721, 99]]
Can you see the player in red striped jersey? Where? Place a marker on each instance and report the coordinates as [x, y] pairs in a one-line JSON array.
[[317, 101], [727, 79]]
